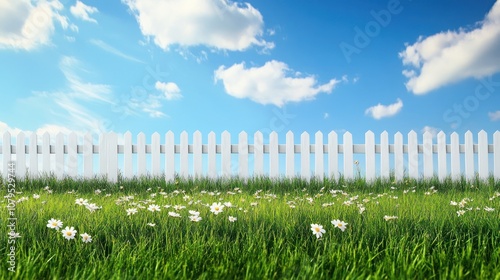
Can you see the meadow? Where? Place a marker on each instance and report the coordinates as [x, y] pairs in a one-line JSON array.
[[259, 228]]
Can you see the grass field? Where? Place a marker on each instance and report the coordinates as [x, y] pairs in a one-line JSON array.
[[259, 229]]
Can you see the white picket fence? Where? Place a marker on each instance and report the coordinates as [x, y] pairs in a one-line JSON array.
[[66, 151]]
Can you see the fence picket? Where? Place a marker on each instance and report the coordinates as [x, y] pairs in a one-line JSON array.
[[46, 153], [127, 155], [112, 156], [59, 150], [169, 156], [412, 155], [212, 168], [155, 154], [305, 156], [319, 169], [226, 154], [482, 154], [455, 156], [384, 155], [72, 154], [348, 156], [370, 155], [184, 155], [88, 156], [197, 154], [20, 156], [398, 156], [243, 155], [333, 155], [441, 144], [469, 156], [428, 158], [141, 154], [289, 156], [273, 155], [258, 144], [6, 152]]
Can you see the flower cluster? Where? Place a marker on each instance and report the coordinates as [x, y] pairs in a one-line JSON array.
[[69, 232]]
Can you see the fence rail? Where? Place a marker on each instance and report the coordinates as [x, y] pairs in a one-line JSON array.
[[65, 155]]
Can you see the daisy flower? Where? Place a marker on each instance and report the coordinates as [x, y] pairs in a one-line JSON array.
[[151, 224], [173, 214], [36, 196], [232, 219], [216, 208], [55, 224], [86, 238], [81, 201], [131, 211], [69, 233], [195, 218], [153, 207], [460, 212], [91, 207], [388, 218], [340, 224], [194, 213], [317, 230]]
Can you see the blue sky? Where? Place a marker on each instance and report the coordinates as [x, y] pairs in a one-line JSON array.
[[215, 65]]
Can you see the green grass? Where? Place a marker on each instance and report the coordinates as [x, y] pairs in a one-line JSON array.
[[269, 239]]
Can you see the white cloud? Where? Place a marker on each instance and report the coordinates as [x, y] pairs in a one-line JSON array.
[[82, 11], [432, 130], [25, 26], [494, 116], [382, 111], [170, 90], [6, 128], [220, 24], [113, 50], [452, 56], [273, 83]]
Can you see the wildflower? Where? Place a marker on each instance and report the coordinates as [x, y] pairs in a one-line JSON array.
[[253, 204], [228, 204], [232, 219], [340, 224], [460, 212], [131, 211], [173, 214], [151, 224], [489, 209], [154, 207], [14, 235], [195, 218], [361, 209], [91, 207], [97, 192], [36, 196], [69, 233], [388, 218], [194, 213], [454, 203], [179, 207], [55, 224], [317, 230], [216, 208], [86, 238]]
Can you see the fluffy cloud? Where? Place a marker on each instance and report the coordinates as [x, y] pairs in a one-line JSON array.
[[25, 26], [494, 116], [270, 84], [451, 56], [170, 90], [82, 11], [382, 111], [221, 24]]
